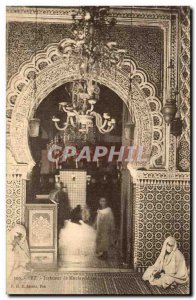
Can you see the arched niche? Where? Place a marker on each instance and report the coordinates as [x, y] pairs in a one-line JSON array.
[[47, 70]]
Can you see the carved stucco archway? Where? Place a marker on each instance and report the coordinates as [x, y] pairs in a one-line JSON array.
[[48, 70]]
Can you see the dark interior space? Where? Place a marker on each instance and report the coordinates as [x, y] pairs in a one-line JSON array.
[[105, 177]]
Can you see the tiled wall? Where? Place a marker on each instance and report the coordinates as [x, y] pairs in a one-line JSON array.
[[161, 209], [76, 186]]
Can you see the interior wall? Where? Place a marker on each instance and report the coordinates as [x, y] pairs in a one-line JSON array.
[[147, 201], [144, 45], [161, 209]]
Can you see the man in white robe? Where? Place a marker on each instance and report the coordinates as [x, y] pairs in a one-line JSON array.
[[105, 228]]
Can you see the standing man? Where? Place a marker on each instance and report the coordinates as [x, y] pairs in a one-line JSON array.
[[105, 229], [92, 191], [60, 196]]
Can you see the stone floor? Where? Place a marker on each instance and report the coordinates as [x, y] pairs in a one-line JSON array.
[[89, 283], [81, 272], [77, 249]]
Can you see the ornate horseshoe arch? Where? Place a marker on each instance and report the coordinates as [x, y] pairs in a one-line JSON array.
[[48, 70]]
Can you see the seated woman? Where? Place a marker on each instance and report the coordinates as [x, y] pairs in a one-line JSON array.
[[169, 268]]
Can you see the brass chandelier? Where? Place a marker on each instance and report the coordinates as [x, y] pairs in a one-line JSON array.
[[95, 55]]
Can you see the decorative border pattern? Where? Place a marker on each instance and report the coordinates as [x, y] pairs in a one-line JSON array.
[[117, 12], [15, 199], [162, 175], [165, 18], [184, 76], [47, 70]]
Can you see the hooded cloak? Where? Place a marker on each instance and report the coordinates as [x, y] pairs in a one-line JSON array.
[[171, 267]]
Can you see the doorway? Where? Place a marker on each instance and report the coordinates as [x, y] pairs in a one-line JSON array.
[[103, 179]]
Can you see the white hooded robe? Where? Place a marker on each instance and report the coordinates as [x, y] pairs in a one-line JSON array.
[[172, 267]]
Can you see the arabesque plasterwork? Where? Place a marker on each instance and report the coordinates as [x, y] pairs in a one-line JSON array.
[[51, 71], [153, 188]]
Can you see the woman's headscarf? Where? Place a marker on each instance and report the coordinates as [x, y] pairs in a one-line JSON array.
[[173, 264], [159, 262]]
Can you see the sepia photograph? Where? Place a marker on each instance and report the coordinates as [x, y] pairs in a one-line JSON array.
[[98, 150]]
